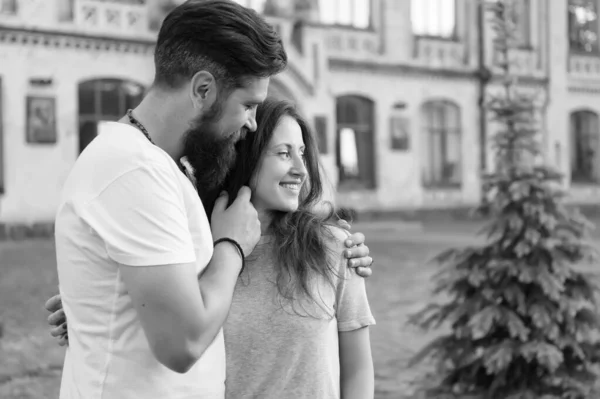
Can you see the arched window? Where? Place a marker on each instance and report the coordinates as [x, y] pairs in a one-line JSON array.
[[104, 100], [355, 144], [442, 144], [584, 147]]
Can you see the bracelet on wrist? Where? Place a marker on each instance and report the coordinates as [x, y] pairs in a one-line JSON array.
[[236, 245]]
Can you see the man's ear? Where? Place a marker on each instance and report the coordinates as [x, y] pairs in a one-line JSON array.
[[203, 90]]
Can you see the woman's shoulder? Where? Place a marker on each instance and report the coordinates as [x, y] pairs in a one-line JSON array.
[[336, 236]]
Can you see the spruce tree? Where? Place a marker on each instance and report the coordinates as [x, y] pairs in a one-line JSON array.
[[520, 312]]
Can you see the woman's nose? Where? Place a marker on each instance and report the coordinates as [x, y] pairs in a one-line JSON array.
[[299, 166]]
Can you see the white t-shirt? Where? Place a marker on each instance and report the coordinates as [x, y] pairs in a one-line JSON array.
[[126, 201]]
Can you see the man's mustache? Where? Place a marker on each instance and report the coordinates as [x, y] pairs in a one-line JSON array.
[[241, 134]]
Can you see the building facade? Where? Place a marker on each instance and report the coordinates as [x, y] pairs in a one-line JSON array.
[[392, 89]]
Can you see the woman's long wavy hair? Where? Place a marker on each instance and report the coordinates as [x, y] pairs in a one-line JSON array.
[[300, 239]]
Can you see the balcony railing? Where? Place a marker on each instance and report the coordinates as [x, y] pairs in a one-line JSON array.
[[434, 52], [349, 43], [106, 17], [115, 18], [523, 62], [584, 66]]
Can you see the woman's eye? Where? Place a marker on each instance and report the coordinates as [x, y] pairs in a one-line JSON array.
[[284, 154]]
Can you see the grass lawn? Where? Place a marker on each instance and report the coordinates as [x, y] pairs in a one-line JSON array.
[[31, 361]]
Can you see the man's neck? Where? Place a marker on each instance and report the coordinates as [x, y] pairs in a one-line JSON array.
[[159, 117]]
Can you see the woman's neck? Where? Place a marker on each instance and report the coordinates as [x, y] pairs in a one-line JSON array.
[[265, 221]]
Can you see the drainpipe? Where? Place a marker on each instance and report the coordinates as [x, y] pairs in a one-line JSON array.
[[484, 76]]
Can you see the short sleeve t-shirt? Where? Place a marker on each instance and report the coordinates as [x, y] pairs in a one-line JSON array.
[[277, 350], [126, 202]]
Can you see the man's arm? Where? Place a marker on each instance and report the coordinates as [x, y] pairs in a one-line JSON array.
[[216, 290], [180, 320], [167, 296], [142, 220]]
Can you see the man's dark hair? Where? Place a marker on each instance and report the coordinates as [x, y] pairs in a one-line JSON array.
[[222, 37]]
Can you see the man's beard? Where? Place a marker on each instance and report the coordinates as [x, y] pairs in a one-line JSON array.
[[210, 154]]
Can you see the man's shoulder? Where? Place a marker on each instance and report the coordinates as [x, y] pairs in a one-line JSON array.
[[120, 147], [117, 150]]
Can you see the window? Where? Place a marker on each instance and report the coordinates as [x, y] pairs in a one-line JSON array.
[[433, 18], [258, 5], [66, 10], [1, 142], [583, 25], [442, 144], [355, 144], [522, 16], [104, 100], [356, 13], [8, 7], [585, 165]]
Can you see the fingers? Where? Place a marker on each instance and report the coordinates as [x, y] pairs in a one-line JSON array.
[[364, 271], [63, 340], [365, 261], [355, 239], [53, 304], [221, 202], [244, 194], [357, 252], [57, 318], [59, 331], [344, 224]]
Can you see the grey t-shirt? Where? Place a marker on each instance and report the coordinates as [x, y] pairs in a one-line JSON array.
[[276, 350]]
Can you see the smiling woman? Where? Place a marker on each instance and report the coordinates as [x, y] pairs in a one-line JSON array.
[[282, 171], [297, 289]]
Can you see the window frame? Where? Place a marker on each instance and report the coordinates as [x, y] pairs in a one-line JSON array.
[[575, 46], [583, 139], [428, 33], [444, 132], [364, 131], [9, 7], [98, 114]]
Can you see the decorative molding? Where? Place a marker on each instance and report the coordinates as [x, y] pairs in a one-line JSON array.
[[404, 69], [432, 73], [64, 40], [584, 89]]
